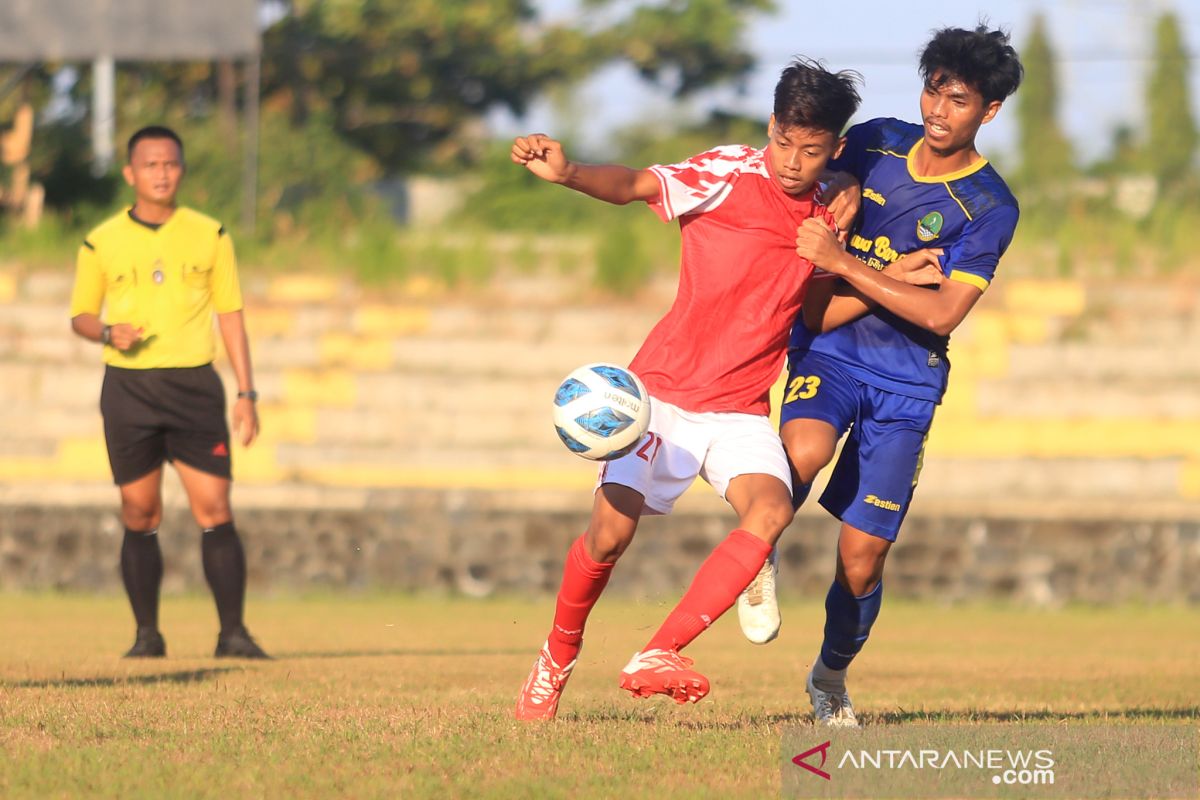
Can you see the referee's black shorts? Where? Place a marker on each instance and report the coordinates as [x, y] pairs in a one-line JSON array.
[[152, 415]]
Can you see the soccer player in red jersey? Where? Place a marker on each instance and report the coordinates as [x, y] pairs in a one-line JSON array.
[[708, 366]]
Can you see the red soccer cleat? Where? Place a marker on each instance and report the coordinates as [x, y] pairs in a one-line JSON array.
[[539, 696], [663, 672]]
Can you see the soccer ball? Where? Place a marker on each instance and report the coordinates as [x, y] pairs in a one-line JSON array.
[[601, 411]]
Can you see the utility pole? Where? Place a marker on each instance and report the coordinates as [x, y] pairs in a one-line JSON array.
[[103, 114]]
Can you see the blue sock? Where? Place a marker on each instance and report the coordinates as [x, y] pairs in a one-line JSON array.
[[800, 494], [848, 621]]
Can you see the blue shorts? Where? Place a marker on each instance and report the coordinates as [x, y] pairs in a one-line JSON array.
[[873, 481]]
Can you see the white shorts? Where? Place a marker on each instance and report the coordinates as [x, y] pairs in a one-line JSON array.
[[718, 446]]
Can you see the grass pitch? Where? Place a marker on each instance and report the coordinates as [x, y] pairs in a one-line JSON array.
[[399, 696]]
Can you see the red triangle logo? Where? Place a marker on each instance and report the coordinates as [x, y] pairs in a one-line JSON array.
[[223, 452], [823, 749]]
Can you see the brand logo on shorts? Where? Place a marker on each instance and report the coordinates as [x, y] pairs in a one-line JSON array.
[[220, 450], [879, 502], [929, 226]]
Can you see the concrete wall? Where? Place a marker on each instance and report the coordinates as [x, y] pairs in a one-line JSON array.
[[467, 543]]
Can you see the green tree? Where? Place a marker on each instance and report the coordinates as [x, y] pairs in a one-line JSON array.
[[684, 45], [1045, 151], [1171, 139], [408, 80]]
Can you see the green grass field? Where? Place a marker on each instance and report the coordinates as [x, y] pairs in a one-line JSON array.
[[396, 696]]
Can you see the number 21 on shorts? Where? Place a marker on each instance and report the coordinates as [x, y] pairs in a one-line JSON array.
[[648, 451], [802, 387]]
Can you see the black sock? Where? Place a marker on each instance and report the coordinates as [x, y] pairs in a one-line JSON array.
[[142, 571], [225, 569]]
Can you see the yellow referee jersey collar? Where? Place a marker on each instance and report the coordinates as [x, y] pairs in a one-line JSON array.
[[153, 226]]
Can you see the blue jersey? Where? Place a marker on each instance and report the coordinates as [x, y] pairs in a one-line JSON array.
[[971, 214]]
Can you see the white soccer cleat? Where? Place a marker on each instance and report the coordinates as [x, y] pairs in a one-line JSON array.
[[543, 688], [831, 709], [758, 610]]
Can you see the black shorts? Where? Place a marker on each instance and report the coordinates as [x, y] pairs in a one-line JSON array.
[[152, 415]]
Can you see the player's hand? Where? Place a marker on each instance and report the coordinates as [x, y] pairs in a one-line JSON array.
[[919, 268], [542, 156], [843, 197], [819, 243], [124, 336], [245, 421]]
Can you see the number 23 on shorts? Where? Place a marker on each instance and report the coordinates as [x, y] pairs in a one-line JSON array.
[[802, 387]]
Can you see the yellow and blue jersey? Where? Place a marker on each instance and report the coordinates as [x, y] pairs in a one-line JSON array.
[[970, 214]]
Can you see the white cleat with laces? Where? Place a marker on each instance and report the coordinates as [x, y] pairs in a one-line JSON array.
[[758, 610], [831, 709], [544, 686]]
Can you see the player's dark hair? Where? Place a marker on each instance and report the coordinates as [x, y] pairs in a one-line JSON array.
[[810, 96], [982, 59], [153, 132]]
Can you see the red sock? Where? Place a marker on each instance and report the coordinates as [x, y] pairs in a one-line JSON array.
[[721, 578], [583, 581]]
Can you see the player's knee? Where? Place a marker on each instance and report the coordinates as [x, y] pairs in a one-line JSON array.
[[140, 516], [860, 584], [769, 519], [808, 457], [779, 516], [861, 573], [605, 543], [210, 515]]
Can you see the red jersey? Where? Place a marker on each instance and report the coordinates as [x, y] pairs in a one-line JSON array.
[[721, 345]]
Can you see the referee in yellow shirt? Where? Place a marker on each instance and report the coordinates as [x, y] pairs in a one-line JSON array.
[[159, 272]]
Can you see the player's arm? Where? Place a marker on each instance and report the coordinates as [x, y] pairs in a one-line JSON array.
[[612, 183], [938, 311], [227, 303], [87, 296], [237, 347], [842, 195], [122, 335], [843, 177], [831, 301]]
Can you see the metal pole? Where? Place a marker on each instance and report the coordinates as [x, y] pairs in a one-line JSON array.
[[250, 146], [103, 113]]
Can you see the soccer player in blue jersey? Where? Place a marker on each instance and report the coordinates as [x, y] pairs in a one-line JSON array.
[[869, 354]]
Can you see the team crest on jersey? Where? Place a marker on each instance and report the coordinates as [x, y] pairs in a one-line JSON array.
[[929, 226]]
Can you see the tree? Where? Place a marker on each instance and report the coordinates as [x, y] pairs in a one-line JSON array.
[[1045, 151], [689, 43], [406, 79], [1171, 139]]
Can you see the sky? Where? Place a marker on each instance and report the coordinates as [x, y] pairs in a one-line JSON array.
[[1103, 48]]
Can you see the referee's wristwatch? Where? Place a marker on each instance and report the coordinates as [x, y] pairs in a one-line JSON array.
[[106, 335], [250, 395]]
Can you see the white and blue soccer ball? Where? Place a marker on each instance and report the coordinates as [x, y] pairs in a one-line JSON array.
[[601, 411]]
